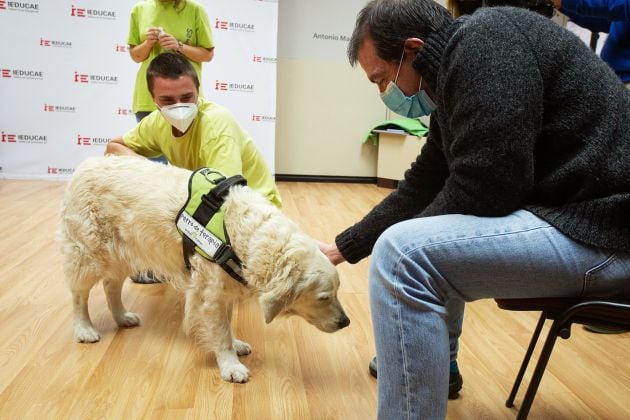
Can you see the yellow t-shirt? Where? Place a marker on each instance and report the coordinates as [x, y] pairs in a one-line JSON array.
[[214, 139], [188, 24]]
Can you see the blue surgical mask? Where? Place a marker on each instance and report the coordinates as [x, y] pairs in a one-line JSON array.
[[415, 106]]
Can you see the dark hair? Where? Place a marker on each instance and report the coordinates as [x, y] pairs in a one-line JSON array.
[[390, 22], [170, 65]]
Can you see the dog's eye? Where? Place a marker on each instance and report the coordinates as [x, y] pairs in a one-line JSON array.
[[324, 298]]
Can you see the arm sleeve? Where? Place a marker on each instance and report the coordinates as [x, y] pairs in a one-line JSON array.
[[221, 148], [140, 139], [134, 36], [204, 31], [224, 155]]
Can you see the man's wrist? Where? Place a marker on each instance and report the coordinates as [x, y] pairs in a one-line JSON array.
[[180, 47]]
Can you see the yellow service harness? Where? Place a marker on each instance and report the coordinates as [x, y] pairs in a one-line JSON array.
[[200, 221]]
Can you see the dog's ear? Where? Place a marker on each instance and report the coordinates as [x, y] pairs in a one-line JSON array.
[[271, 305]]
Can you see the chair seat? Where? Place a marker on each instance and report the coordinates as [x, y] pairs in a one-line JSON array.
[[553, 307]]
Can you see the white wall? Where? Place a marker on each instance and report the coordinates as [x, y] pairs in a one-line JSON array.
[[325, 107]]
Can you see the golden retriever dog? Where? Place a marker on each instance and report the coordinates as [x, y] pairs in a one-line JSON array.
[[118, 219]]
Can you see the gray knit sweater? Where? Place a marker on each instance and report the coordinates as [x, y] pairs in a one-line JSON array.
[[527, 118]]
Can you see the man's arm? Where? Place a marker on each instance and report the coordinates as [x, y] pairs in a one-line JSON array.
[[117, 146]]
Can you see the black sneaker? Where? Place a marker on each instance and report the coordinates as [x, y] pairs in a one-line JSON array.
[[455, 380], [146, 278], [372, 367], [455, 383]]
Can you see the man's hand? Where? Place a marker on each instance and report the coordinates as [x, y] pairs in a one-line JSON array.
[[332, 252]]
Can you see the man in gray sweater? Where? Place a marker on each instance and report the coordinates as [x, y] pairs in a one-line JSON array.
[[521, 190]]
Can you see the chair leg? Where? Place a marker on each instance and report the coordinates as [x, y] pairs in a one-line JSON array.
[[558, 328], [526, 359], [561, 327]]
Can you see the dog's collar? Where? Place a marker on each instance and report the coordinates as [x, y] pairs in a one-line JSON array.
[[201, 223]]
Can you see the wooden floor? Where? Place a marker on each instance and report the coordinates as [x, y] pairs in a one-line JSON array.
[[297, 372]]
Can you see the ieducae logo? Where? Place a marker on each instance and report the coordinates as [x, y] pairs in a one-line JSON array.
[[19, 6], [22, 138], [82, 12], [52, 170], [226, 25], [44, 42], [264, 60], [233, 86], [103, 79], [124, 111], [22, 74], [264, 118], [91, 141], [59, 108]]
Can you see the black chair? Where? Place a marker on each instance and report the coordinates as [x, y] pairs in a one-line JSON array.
[[606, 313]]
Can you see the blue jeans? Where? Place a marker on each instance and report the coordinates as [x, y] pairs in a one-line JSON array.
[[423, 270]]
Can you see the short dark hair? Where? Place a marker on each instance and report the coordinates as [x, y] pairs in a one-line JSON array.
[[390, 22], [170, 66]]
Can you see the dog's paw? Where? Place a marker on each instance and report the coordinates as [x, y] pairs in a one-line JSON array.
[[83, 334], [128, 319], [236, 372], [242, 348]]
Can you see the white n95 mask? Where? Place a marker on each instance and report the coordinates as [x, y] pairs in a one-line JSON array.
[[179, 115]]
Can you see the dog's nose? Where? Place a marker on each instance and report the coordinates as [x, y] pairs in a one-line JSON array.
[[343, 322]]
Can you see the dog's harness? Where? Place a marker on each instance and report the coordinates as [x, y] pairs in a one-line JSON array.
[[200, 221]]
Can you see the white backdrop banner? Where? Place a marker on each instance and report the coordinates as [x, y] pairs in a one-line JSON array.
[[308, 32], [66, 78]]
